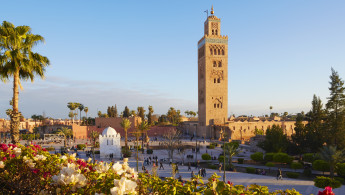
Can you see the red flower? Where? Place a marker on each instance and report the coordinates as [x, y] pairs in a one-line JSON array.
[[4, 158], [46, 174], [44, 149], [327, 191], [12, 155], [35, 171]]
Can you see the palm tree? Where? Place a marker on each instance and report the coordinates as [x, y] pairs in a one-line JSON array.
[[81, 108], [18, 61], [125, 124], [230, 150], [72, 106], [271, 107], [143, 127], [66, 132], [332, 156], [86, 109]]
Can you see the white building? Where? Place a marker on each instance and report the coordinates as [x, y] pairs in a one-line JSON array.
[[110, 143]]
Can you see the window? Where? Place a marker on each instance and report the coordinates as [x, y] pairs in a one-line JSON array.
[[214, 80], [211, 51], [215, 105], [212, 32], [234, 128], [218, 80], [215, 51], [216, 32], [223, 52], [214, 64], [219, 64], [107, 142], [218, 51]]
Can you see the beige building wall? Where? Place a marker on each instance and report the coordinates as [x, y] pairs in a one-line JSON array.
[[212, 77]]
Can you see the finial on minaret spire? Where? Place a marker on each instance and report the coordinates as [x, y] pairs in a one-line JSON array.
[[212, 12]]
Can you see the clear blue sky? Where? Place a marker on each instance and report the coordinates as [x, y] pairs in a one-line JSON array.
[[141, 53]]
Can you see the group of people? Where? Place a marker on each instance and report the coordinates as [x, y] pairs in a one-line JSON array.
[[149, 160], [260, 172]]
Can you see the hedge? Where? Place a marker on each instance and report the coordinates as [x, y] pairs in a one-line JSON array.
[[240, 160], [270, 164], [257, 157], [322, 182], [340, 169], [221, 159], [269, 156], [206, 156], [126, 152], [282, 158], [292, 175], [250, 169], [296, 165], [210, 166], [320, 165], [81, 146]]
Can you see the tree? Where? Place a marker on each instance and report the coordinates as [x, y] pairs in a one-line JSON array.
[[66, 132], [125, 124], [335, 123], [230, 151], [271, 107], [315, 128], [86, 109], [81, 108], [141, 113], [126, 113], [18, 61], [331, 156], [300, 136], [149, 115], [174, 116], [171, 141], [143, 127], [115, 111], [275, 140], [72, 106]]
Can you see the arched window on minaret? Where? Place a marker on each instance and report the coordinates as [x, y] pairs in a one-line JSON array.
[[212, 32], [214, 64], [216, 32], [218, 51], [215, 51], [218, 80], [223, 52], [219, 64], [215, 80], [211, 51]]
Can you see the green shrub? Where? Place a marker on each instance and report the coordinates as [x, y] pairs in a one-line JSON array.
[[250, 170], [320, 165], [308, 157], [270, 164], [282, 158], [269, 156], [51, 148], [322, 182], [126, 152], [240, 160], [149, 151], [257, 157], [340, 169], [292, 175], [81, 146], [221, 159], [340, 179], [206, 156], [97, 152], [296, 165], [210, 166], [211, 146]]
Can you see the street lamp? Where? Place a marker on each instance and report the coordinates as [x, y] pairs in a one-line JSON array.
[[222, 138]]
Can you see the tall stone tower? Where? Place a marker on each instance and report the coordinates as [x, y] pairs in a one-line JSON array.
[[212, 77]]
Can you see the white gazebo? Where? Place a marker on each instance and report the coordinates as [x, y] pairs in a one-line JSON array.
[[109, 143]]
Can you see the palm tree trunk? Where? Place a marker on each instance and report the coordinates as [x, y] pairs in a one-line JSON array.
[[15, 113], [126, 138]]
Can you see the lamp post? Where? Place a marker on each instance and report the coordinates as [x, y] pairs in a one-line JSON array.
[[222, 138]]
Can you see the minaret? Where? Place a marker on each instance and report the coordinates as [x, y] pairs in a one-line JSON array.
[[212, 77]]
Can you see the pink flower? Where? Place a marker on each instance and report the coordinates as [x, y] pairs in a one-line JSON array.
[[327, 191], [44, 149], [4, 159], [46, 174]]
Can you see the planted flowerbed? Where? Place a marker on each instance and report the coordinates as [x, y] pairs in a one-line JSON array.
[[32, 170]]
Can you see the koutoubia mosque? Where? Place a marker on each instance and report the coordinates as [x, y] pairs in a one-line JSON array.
[[213, 92]]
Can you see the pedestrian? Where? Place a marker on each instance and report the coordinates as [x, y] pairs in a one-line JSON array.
[[279, 174], [189, 168], [220, 167], [192, 174], [177, 171], [161, 166]]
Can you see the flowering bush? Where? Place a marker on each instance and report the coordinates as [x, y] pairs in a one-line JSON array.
[[32, 170]]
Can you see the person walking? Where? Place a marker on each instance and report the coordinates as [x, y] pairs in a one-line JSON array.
[[161, 166], [189, 168], [279, 174], [220, 167], [192, 174]]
